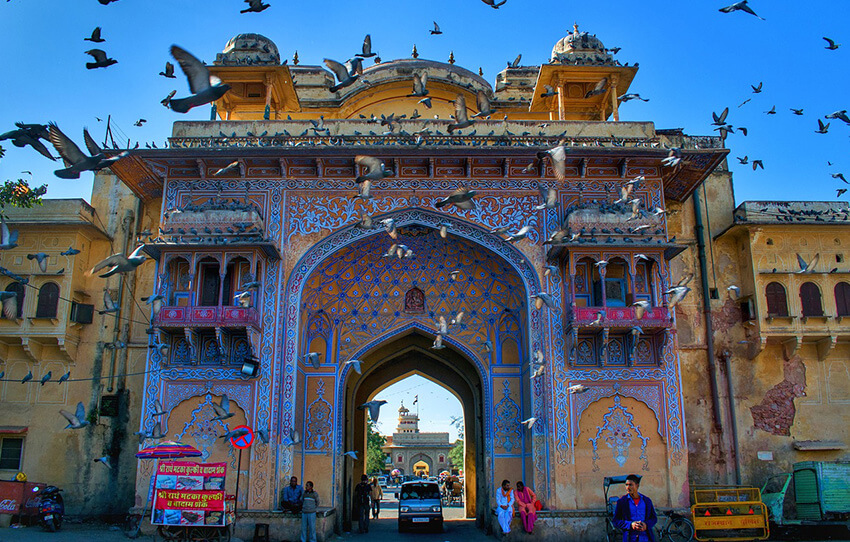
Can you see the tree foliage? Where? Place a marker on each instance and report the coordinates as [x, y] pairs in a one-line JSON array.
[[456, 454], [19, 193], [375, 457]]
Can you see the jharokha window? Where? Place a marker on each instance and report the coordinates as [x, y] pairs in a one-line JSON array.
[[777, 302], [842, 299], [810, 299], [48, 301]]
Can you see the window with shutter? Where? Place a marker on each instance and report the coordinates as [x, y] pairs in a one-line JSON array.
[[842, 299], [810, 299], [777, 303], [48, 301]]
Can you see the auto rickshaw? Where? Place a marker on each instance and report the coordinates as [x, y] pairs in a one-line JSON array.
[[820, 495]]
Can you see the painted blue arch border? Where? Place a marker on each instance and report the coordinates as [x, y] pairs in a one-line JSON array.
[[340, 239]]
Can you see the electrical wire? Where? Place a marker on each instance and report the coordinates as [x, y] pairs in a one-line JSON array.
[[34, 381]]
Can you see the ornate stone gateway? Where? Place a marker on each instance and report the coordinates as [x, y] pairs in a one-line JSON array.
[[281, 269]]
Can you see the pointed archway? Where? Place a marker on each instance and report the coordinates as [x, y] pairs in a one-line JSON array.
[[411, 353]]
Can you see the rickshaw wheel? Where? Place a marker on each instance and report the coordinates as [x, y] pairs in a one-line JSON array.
[[680, 530], [171, 532], [613, 535]]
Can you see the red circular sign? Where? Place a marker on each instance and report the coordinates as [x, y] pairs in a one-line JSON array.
[[243, 441]]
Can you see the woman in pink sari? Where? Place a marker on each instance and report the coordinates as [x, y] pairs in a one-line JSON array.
[[525, 499]]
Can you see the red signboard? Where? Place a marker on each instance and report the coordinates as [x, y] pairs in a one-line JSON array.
[[14, 495], [189, 494]]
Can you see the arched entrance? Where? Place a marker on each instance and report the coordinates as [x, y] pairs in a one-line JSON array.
[[411, 353], [353, 302]]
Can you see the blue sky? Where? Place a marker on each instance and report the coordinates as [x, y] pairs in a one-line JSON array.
[[436, 405], [693, 60]]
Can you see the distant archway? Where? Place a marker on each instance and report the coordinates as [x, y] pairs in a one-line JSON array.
[[409, 353]]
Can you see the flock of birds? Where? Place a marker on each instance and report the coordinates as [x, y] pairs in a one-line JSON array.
[[205, 89]]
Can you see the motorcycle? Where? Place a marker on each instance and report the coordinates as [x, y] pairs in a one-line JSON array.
[[51, 507]]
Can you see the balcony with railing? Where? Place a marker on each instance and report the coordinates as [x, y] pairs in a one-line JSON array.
[[199, 317], [618, 318]]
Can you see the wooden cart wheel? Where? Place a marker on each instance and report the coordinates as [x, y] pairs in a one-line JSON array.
[[171, 532]]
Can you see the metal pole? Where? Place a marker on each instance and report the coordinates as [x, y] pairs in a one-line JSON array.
[[706, 309], [238, 473]]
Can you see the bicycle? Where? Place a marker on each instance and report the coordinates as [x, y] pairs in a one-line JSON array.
[[677, 528]]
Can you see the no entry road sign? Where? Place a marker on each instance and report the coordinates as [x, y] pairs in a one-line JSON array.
[[243, 441]]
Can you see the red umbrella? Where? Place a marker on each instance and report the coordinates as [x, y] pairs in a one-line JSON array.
[[168, 450]]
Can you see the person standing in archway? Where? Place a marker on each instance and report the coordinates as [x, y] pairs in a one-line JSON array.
[[362, 500], [635, 514], [526, 505], [505, 506], [377, 495]]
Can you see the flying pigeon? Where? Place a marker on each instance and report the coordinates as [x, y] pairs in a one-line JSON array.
[[157, 409], [521, 234], [734, 291], [367, 48], [204, 88], [77, 420], [235, 433], [515, 63], [70, 252], [577, 388], [375, 169], [374, 408], [840, 115], [641, 307], [461, 117], [460, 198], [169, 71], [109, 304], [41, 258], [355, 364], [550, 91], [29, 134], [232, 167], [600, 88], [831, 45], [313, 358], [549, 197], [436, 31], [740, 6], [74, 159], [529, 423], [343, 74], [255, 6], [822, 128], [493, 4], [557, 156], [155, 301], [104, 460], [483, 103], [543, 298], [100, 59], [222, 410], [806, 268], [8, 238], [119, 263], [95, 36], [351, 454], [438, 342], [294, 438]]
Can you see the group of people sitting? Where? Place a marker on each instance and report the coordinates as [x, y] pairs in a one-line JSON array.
[[523, 499], [634, 514]]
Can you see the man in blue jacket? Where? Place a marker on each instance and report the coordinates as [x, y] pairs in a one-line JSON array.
[[635, 514]]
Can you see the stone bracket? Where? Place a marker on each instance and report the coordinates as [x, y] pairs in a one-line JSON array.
[[756, 347], [825, 346], [622, 167], [193, 347], [68, 346], [792, 345], [603, 352], [582, 167], [32, 348]]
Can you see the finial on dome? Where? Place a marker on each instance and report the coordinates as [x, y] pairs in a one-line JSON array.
[[575, 28], [480, 71], [295, 58], [415, 53], [452, 57]]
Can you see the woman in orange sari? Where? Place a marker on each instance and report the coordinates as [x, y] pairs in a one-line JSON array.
[[525, 499]]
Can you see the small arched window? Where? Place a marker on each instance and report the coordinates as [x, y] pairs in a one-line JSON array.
[[810, 299], [20, 291], [777, 302], [842, 299], [48, 301]]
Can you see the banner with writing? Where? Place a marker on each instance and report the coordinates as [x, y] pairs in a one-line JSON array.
[[189, 494]]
